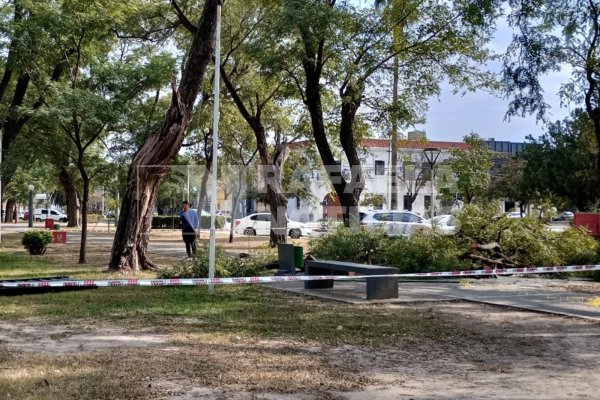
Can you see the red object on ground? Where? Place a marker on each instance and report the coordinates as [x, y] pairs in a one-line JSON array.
[[59, 237], [591, 221], [48, 223]]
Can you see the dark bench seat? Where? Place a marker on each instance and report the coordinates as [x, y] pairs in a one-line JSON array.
[[377, 288]]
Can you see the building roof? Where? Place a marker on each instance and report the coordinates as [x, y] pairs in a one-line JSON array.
[[402, 144], [414, 144]]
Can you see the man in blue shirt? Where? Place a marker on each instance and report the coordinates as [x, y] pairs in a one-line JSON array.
[[190, 225]]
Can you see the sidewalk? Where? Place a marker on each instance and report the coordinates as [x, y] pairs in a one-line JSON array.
[[553, 296]]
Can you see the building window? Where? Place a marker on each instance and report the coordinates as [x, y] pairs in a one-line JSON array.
[[427, 201], [379, 167], [297, 203]]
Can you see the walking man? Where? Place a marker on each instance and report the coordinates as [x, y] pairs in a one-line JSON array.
[[189, 228]]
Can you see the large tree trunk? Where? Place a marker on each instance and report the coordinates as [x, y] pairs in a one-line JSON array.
[[66, 180], [10, 209], [348, 191], [84, 215], [154, 157], [410, 198], [272, 164], [277, 201]]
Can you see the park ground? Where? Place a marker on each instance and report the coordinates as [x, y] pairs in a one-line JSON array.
[[256, 342]]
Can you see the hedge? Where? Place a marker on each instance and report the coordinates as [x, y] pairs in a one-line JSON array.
[[173, 222]]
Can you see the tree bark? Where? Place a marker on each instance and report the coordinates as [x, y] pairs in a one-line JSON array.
[[84, 215], [10, 209], [348, 191], [153, 159], [66, 180], [272, 163]]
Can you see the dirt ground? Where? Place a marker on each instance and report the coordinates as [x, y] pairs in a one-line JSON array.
[[504, 354]]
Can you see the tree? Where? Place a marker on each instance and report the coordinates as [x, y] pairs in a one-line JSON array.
[[35, 57], [375, 200], [343, 52], [159, 148], [561, 163], [263, 97], [553, 34], [510, 182], [415, 172], [472, 168]]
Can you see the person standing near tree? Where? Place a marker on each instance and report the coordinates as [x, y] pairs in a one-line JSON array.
[[189, 228]]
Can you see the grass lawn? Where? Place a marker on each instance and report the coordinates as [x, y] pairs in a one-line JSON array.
[[207, 329]]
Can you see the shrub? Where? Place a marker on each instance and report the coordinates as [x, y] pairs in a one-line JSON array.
[[575, 247], [93, 218], [36, 241], [422, 252], [523, 240], [345, 244], [225, 265]]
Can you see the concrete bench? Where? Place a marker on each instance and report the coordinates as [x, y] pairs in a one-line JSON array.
[[377, 288]]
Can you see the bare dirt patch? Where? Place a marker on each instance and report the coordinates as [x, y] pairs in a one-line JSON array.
[[495, 353]]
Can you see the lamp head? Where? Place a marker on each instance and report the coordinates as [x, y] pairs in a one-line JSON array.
[[30, 187]]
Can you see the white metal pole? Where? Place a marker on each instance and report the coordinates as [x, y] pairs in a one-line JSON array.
[[1, 138], [215, 143]]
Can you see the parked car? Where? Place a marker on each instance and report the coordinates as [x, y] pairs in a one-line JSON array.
[[42, 214], [445, 223], [21, 216], [394, 223], [566, 216], [513, 214], [260, 224]]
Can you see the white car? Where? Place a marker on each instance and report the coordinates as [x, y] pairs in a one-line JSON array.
[[513, 214], [445, 223], [41, 214], [394, 223], [260, 224]]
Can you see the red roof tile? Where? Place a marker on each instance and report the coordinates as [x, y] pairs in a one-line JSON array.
[[402, 144], [414, 144]]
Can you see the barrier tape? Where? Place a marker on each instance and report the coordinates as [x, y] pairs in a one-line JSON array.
[[286, 278]]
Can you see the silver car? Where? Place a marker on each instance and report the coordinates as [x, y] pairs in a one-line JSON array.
[[394, 223]]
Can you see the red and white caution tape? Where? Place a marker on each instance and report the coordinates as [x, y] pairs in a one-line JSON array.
[[284, 278]]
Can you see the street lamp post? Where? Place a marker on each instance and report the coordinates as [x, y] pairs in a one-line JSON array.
[[31, 216], [431, 154]]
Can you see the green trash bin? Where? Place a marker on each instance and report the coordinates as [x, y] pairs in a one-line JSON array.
[[57, 227], [299, 257]]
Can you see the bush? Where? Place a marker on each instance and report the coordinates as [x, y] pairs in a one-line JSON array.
[[345, 244], [576, 247], [36, 241], [225, 265], [93, 218], [422, 252]]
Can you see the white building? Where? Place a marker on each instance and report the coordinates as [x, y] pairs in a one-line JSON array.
[[413, 171]]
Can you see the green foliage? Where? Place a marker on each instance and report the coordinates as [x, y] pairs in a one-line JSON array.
[[523, 241], [36, 241], [94, 218], [346, 244], [562, 162], [576, 247], [372, 200], [226, 265], [422, 252], [526, 241], [471, 168]]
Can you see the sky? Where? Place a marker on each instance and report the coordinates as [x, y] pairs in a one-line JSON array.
[[451, 117]]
